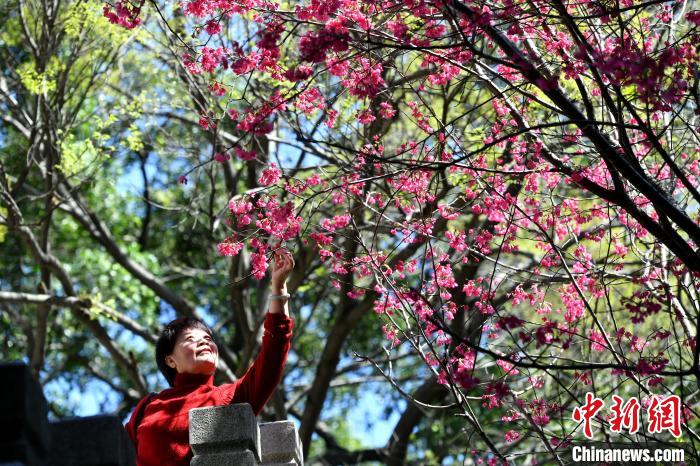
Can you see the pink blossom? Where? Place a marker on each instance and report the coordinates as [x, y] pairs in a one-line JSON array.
[[511, 436], [221, 158], [269, 37], [457, 240], [693, 17], [299, 73], [229, 249], [270, 175], [391, 334], [241, 210], [494, 394], [386, 110], [507, 367], [244, 64], [366, 80], [399, 29], [434, 30], [239, 207], [217, 89], [360, 19], [310, 100], [259, 263], [256, 122], [597, 341], [321, 239], [191, 64], [126, 14], [365, 117], [313, 180], [213, 27], [463, 371], [314, 46], [331, 116], [444, 276], [320, 10], [245, 154], [338, 67], [198, 8], [211, 58], [204, 123], [337, 222]]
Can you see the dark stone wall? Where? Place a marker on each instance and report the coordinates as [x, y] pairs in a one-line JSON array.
[[24, 429], [28, 439], [221, 435]]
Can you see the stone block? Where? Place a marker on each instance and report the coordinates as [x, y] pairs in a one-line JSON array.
[[90, 441], [24, 429], [237, 458], [280, 443], [224, 429]]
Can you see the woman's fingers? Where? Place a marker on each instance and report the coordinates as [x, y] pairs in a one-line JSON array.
[[288, 264], [283, 262]]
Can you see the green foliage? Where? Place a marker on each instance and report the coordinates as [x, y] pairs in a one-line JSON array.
[[77, 156], [134, 140], [10, 34], [3, 228], [87, 18], [40, 82]]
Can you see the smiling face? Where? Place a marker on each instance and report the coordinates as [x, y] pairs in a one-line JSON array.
[[194, 353]]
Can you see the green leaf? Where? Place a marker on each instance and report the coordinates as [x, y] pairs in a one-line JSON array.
[[3, 228]]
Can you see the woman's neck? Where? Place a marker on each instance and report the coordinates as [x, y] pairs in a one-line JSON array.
[[186, 379]]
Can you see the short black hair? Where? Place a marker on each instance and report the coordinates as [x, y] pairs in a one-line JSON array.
[[166, 342]]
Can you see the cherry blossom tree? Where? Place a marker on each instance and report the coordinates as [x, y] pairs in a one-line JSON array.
[[511, 187]]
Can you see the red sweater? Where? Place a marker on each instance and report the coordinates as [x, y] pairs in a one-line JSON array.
[[162, 436]]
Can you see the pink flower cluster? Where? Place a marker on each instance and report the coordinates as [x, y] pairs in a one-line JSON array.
[[241, 210], [125, 14], [319, 10], [270, 175], [314, 46], [366, 80], [245, 154], [258, 121], [660, 80], [229, 249]]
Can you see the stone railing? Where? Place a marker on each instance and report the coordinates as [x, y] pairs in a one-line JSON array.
[[226, 435], [223, 435]]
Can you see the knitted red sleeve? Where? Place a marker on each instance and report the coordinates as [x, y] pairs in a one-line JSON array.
[[258, 383]]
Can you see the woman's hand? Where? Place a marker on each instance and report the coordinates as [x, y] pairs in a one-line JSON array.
[[282, 267]]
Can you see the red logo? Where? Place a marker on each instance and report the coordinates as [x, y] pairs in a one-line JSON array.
[[626, 415], [587, 411], [663, 413]]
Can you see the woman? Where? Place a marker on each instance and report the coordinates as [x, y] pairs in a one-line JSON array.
[[187, 356]]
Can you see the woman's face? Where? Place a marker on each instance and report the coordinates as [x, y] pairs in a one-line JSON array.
[[195, 353]]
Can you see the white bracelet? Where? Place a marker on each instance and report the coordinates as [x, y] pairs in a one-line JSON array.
[[279, 297]]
